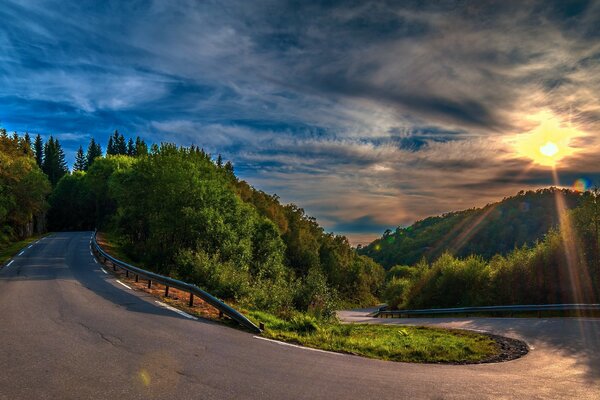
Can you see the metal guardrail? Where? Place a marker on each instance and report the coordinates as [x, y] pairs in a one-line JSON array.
[[193, 290], [383, 313]]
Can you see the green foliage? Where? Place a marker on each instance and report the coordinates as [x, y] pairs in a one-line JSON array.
[[494, 229], [54, 164], [185, 215], [387, 342], [561, 268], [23, 189], [72, 204]]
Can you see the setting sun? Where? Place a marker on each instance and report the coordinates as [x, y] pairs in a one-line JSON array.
[[549, 149], [549, 142]]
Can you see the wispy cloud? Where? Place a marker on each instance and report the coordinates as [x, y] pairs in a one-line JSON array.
[[368, 114]]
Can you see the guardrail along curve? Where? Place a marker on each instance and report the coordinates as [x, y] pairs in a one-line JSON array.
[[184, 286], [488, 309]]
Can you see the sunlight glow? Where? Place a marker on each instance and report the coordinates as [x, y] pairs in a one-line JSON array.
[[549, 142]]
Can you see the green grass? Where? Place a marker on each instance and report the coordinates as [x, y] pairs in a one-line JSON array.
[[7, 251], [385, 342]]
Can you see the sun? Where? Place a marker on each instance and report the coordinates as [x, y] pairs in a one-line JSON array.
[[549, 142]]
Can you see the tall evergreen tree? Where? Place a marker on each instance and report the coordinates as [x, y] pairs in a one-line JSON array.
[[120, 144], [219, 161], [80, 161], [27, 143], [54, 165], [39, 150], [110, 148], [140, 147], [130, 148], [93, 151]]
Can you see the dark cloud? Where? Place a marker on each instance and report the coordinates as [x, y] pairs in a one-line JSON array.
[[345, 107]]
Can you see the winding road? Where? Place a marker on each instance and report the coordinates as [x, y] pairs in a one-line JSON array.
[[70, 331]]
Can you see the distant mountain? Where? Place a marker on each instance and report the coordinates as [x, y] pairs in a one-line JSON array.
[[494, 229]]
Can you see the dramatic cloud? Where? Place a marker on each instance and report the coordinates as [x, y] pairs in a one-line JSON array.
[[367, 114]]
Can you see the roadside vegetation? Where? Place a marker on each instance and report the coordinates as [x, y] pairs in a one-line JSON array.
[[385, 342], [563, 267]]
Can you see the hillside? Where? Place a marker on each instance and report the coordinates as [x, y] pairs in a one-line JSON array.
[[496, 228]]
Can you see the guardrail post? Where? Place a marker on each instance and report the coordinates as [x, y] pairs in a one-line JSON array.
[[221, 314], [149, 283], [127, 273], [191, 299], [137, 278], [166, 291]]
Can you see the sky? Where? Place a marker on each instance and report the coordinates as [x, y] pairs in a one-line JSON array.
[[368, 115]]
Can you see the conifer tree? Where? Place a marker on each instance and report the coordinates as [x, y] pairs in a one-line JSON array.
[[80, 161], [110, 148], [93, 151], [130, 148], [219, 161], [120, 144], [38, 146], [140, 147], [54, 165]]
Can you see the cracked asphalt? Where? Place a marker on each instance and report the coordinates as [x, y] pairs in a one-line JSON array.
[[70, 331]]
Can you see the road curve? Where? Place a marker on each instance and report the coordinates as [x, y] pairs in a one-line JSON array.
[[69, 331]]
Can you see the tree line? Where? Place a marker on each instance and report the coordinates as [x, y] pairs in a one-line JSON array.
[[183, 213]]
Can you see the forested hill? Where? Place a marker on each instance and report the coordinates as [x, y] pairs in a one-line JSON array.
[[494, 229]]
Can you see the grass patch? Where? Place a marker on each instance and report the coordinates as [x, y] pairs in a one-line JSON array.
[[7, 251], [385, 342]]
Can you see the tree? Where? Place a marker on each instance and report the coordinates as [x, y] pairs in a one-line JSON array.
[[80, 161], [110, 148], [119, 144], [219, 161], [39, 150], [141, 149], [93, 151], [54, 165], [130, 148]]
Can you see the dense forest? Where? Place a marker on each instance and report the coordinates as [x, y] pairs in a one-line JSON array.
[[184, 214], [497, 228], [562, 267]]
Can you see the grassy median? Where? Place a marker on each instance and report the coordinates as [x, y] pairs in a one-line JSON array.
[[385, 342]]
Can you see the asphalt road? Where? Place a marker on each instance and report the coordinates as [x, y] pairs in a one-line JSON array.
[[69, 331]]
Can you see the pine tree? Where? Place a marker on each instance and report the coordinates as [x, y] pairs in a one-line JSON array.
[[110, 148], [54, 165], [27, 144], [120, 144], [219, 161], [39, 150], [93, 151], [141, 149], [80, 161], [130, 148]]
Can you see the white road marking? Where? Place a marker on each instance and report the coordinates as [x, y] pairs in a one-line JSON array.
[[12, 261], [96, 261], [103, 270], [21, 253], [91, 254], [297, 346], [121, 283], [29, 246], [168, 307]]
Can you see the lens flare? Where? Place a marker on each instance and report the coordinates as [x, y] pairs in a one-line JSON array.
[[549, 142], [582, 184]]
